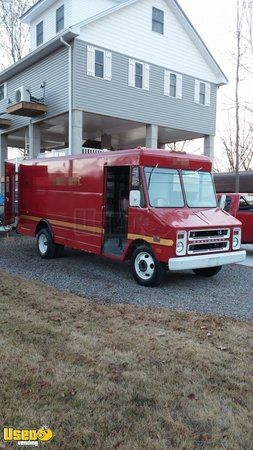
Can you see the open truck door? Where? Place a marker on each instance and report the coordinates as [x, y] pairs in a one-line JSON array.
[[9, 188]]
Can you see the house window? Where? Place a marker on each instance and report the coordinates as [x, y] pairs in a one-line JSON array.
[[202, 94], [60, 19], [157, 20], [138, 75], [99, 63], [39, 33], [2, 91], [173, 84]]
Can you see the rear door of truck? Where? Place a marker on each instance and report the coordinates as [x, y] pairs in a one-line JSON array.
[[9, 187]]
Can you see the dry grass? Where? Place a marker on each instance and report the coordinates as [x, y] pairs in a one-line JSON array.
[[105, 377]]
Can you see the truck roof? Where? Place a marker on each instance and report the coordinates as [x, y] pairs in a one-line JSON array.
[[138, 156]]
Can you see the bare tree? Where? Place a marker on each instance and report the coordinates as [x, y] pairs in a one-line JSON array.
[[249, 24], [238, 139], [186, 146], [240, 51], [177, 146], [13, 34], [239, 151]]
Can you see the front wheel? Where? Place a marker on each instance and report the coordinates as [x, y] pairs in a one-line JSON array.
[[146, 270], [208, 271], [45, 244]]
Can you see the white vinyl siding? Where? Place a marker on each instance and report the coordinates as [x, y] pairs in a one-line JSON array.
[[129, 32], [3, 91], [49, 17], [173, 84], [138, 75], [99, 63], [202, 93]]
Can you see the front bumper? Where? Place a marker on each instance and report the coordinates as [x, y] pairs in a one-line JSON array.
[[204, 261]]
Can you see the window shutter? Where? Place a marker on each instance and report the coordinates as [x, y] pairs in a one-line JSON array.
[[166, 82], [179, 86], [5, 90], [90, 61], [146, 77], [131, 75], [108, 66], [208, 94], [197, 89]]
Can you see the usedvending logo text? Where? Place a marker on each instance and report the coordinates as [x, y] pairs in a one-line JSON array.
[[27, 437]]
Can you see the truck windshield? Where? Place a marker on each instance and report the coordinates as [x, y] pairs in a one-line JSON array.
[[164, 188], [199, 189]]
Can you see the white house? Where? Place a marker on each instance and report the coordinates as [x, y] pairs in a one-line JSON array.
[[109, 73]]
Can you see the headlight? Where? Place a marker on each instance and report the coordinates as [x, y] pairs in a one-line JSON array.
[[180, 247], [237, 233], [181, 243]]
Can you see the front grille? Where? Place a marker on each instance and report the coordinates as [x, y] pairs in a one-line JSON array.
[[209, 234], [208, 247]]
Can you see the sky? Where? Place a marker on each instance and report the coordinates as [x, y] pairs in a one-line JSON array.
[[215, 21]]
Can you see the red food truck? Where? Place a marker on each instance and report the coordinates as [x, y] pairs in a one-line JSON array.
[[156, 208]]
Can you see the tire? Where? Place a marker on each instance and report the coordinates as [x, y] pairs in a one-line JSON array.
[[207, 272], [45, 244], [146, 270], [59, 250]]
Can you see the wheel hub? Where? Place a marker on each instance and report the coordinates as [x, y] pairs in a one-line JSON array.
[[145, 265], [43, 244]]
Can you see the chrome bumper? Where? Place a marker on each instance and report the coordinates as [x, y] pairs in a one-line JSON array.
[[204, 261]]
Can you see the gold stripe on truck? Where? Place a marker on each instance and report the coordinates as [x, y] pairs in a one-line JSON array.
[[61, 223], [151, 240]]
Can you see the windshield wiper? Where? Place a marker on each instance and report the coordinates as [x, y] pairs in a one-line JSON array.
[[150, 176]]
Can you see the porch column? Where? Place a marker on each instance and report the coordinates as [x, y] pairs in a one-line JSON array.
[[76, 144], [27, 143], [151, 136], [209, 146], [106, 141], [34, 140], [3, 157]]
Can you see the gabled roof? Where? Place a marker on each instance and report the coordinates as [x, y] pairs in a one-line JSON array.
[[187, 25], [175, 8]]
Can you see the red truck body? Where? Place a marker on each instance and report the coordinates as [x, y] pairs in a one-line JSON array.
[[79, 199], [241, 207]]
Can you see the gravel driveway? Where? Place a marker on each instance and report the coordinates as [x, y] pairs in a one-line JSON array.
[[230, 293]]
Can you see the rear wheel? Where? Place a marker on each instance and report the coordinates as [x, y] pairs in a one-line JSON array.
[[146, 270], [208, 271], [45, 244]]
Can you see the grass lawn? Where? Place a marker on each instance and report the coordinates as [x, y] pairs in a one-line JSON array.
[[122, 377]]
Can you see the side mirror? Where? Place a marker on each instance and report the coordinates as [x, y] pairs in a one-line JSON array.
[[135, 199], [222, 201]]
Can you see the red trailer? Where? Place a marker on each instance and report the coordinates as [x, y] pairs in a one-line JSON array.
[[153, 207]]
